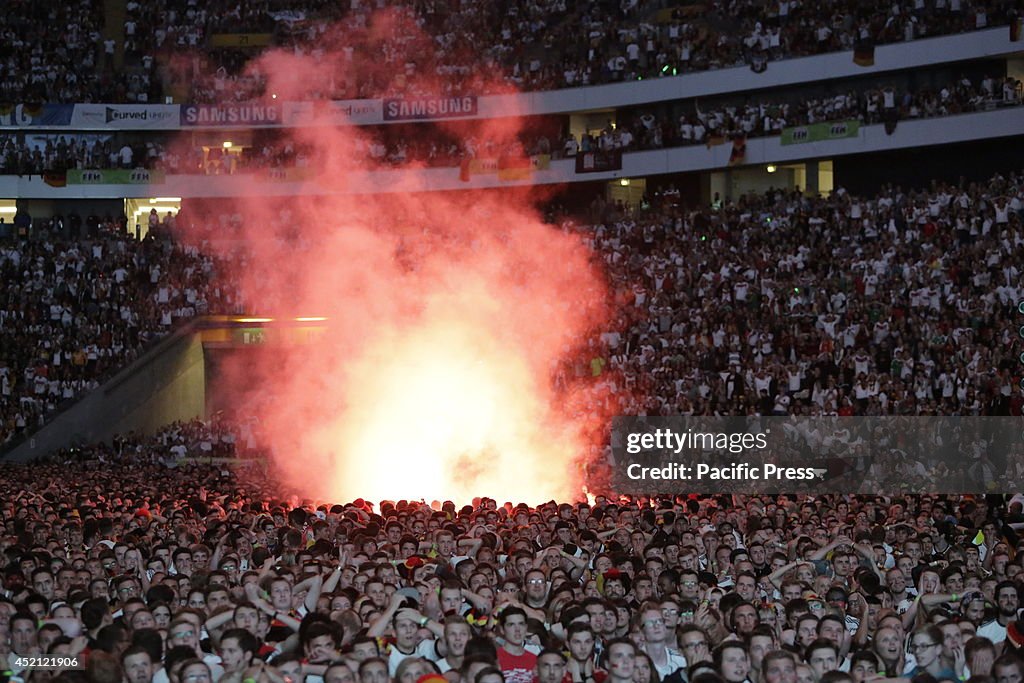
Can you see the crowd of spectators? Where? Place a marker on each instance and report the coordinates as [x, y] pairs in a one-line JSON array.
[[724, 34], [544, 45], [81, 301], [53, 52], [872, 106], [399, 145], [899, 304], [64, 52], [35, 154], [774, 304], [140, 563]]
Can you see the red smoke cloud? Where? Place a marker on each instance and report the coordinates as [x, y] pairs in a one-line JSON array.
[[448, 314]]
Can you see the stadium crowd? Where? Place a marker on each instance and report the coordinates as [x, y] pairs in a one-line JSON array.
[[36, 154], [898, 304], [548, 44], [52, 52], [640, 129], [142, 561], [776, 304], [80, 301], [179, 558], [67, 53]]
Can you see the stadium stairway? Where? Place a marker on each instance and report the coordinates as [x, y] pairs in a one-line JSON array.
[[163, 385], [114, 14]]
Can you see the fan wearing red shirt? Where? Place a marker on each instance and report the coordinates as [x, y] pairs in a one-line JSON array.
[[515, 661]]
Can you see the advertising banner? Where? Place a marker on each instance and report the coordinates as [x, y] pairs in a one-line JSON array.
[[42, 115], [333, 113], [221, 115], [597, 162], [816, 132], [115, 176], [506, 168], [427, 108], [127, 116], [291, 174]]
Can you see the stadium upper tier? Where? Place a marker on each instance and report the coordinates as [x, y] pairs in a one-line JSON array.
[[461, 143], [293, 180], [72, 52], [900, 303]]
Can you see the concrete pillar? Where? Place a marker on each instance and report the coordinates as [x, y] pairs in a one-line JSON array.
[[811, 174]]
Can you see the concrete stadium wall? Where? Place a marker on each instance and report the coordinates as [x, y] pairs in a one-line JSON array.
[[164, 385]]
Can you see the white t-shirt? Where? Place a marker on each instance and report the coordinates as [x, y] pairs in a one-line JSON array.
[[427, 649], [993, 630]]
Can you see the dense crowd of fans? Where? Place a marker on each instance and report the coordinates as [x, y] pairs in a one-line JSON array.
[[35, 154], [53, 52], [780, 303], [399, 145], [66, 53], [544, 45], [138, 562], [898, 304], [75, 310], [776, 304], [179, 558], [636, 130], [725, 34]]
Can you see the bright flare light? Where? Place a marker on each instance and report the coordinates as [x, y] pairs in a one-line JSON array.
[[450, 314], [449, 416]]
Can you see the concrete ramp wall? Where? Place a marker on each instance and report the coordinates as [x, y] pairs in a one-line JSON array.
[[166, 384]]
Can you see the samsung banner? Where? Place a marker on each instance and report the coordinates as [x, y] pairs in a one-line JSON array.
[[425, 108], [39, 115], [251, 114], [242, 114], [274, 115], [126, 116]]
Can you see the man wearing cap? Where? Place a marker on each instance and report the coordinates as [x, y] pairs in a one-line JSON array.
[[973, 606]]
